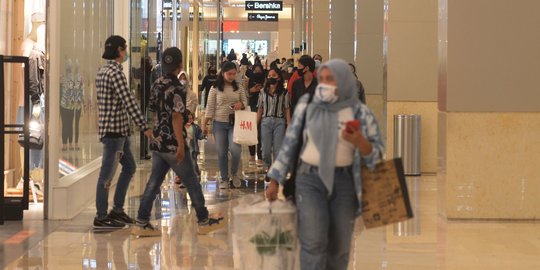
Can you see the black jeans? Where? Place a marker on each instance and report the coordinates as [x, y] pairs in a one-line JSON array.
[[77, 114], [67, 124]]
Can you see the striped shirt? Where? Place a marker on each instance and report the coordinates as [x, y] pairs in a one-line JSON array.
[[219, 102], [116, 102], [273, 105]]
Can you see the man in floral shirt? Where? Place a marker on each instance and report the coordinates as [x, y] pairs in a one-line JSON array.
[[167, 101]]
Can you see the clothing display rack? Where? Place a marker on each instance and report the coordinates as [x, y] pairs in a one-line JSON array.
[[11, 208]]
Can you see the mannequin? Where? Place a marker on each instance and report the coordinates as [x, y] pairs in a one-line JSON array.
[[67, 105], [33, 47]]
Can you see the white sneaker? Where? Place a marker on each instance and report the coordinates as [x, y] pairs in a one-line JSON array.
[[224, 184], [236, 181]]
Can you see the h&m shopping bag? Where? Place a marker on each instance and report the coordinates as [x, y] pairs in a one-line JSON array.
[[385, 198], [245, 128], [264, 235]]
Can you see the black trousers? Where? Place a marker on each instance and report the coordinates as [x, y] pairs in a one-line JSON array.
[[77, 115], [67, 124]]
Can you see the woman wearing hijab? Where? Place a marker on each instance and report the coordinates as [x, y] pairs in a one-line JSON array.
[[340, 135], [191, 97]]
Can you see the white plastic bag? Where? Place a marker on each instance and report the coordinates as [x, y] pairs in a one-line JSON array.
[[245, 128], [265, 235]]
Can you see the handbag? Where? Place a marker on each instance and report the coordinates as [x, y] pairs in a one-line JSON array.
[[385, 197], [289, 189], [35, 140]]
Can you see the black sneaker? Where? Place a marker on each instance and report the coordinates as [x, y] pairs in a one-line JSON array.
[[107, 224], [145, 229], [121, 217]]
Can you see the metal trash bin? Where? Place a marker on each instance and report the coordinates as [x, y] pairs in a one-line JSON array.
[[407, 142]]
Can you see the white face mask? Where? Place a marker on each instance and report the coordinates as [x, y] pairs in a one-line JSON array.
[[184, 82], [326, 93]]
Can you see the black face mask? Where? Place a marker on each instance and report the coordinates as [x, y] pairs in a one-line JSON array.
[[301, 72], [272, 81]]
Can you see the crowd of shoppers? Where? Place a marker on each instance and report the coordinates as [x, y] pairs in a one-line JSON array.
[[316, 109]]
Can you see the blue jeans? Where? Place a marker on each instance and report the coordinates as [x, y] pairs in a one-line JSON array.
[[272, 134], [115, 151], [325, 224], [223, 133], [36, 155], [161, 163]]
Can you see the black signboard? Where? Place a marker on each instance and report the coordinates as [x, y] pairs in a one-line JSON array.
[[264, 5], [262, 17]]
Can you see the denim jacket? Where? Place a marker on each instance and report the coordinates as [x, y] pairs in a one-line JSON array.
[[282, 166]]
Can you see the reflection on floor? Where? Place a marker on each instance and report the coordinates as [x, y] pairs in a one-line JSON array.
[[426, 242]]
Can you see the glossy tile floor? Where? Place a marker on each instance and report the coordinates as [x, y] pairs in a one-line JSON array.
[[426, 242]]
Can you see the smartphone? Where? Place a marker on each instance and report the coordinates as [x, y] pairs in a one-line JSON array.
[[352, 125]]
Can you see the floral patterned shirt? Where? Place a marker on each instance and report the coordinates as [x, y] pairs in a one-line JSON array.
[[167, 97]]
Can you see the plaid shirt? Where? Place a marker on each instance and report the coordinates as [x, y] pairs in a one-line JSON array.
[[115, 101]]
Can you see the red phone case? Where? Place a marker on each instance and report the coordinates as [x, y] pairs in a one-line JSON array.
[[352, 125]]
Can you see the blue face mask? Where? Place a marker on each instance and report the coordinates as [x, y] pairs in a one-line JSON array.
[[126, 57]]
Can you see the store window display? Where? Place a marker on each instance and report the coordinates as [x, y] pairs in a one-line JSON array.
[[23, 33], [84, 26], [34, 48]]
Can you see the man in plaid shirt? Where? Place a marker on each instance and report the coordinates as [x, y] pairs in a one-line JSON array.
[[115, 104]]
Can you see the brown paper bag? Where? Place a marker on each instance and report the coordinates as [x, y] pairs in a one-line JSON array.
[[385, 198]]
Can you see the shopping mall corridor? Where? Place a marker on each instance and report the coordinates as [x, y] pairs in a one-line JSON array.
[[426, 242]]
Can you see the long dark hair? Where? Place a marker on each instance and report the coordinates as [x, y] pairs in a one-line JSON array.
[[280, 88], [220, 82]]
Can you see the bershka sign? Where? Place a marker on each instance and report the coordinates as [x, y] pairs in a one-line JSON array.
[[262, 17], [264, 5]]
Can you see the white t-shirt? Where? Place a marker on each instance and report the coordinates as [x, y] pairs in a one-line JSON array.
[[189, 137], [344, 149]]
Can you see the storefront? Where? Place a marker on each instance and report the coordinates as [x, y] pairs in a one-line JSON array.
[[68, 37], [23, 30], [63, 40]]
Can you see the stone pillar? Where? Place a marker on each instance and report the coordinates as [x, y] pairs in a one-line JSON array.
[[489, 108], [411, 71], [297, 21], [309, 26], [284, 38], [320, 28], [195, 49], [342, 30], [369, 58]]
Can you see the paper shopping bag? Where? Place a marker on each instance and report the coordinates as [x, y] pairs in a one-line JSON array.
[[245, 128], [385, 198]]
